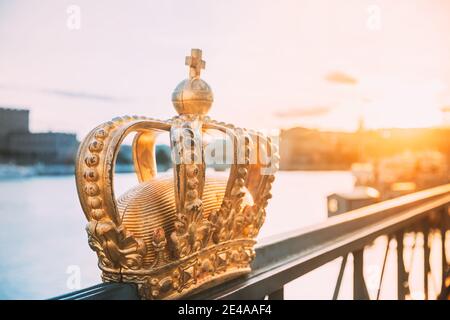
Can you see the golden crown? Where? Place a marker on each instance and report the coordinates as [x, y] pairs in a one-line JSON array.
[[174, 235]]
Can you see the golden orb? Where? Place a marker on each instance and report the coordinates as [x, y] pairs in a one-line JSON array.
[[193, 95]]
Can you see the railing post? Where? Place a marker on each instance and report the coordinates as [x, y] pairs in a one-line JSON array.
[[426, 257], [402, 281], [443, 231], [277, 295], [359, 285], [337, 288]]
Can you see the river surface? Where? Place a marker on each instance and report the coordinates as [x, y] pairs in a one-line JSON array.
[[43, 243]]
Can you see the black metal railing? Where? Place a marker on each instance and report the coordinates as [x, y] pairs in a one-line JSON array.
[[286, 257]]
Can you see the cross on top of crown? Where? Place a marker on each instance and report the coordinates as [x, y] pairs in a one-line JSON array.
[[195, 63]]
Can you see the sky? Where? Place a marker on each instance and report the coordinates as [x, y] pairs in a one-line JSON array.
[[271, 64]]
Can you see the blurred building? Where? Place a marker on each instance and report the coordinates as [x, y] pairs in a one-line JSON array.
[[309, 149], [18, 144], [446, 116], [12, 121], [51, 147]]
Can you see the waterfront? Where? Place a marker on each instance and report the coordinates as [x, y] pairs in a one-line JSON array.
[[43, 241]]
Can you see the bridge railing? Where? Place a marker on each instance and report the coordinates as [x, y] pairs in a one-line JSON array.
[[286, 257]]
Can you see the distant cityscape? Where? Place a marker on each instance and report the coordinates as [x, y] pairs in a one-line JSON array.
[[19, 145], [309, 149], [300, 148], [54, 151]]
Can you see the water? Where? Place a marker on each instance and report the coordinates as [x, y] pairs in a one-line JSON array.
[[42, 237]]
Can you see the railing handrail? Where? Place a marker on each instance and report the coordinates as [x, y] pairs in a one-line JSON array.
[[308, 248], [287, 256], [373, 210]]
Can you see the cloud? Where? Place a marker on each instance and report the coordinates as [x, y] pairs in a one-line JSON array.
[[341, 78], [303, 112], [81, 95], [65, 93]]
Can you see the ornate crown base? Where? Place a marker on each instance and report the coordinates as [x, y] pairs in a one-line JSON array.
[[190, 274]]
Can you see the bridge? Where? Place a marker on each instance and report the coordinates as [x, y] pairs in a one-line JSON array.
[[288, 256]]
